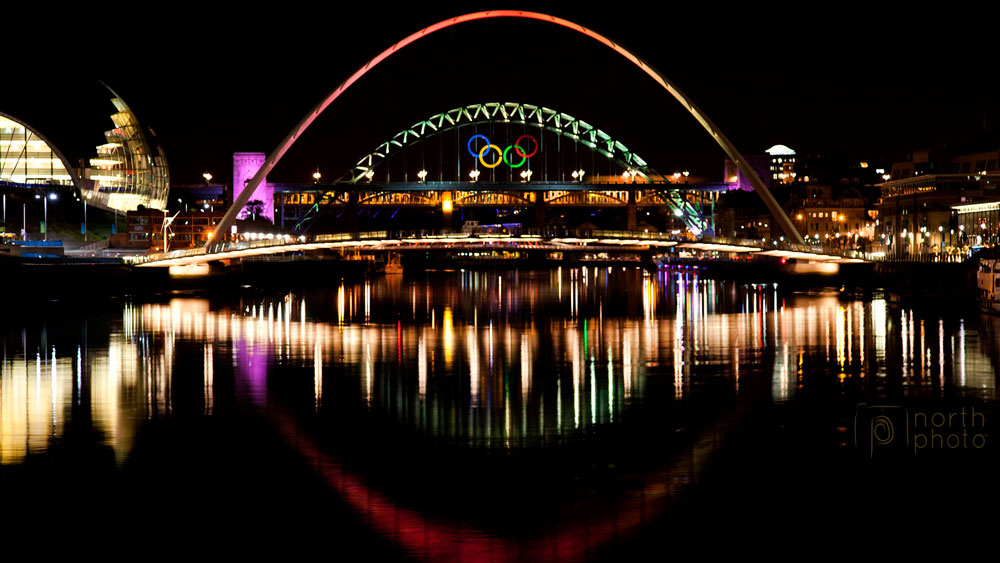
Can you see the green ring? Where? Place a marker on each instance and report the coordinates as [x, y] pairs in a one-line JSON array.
[[523, 159]]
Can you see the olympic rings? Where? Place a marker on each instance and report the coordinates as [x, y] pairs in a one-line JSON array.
[[485, 150], [502, 155], [518, 150], [473, 138]]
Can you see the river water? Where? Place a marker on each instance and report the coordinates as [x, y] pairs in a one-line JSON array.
[[572, 414]]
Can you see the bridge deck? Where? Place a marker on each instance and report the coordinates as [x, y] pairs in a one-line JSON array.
[[595, 241]]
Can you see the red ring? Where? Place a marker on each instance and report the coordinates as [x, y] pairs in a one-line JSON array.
[[517, 149]]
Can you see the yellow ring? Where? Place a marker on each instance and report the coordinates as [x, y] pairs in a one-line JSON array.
[[483, 152]]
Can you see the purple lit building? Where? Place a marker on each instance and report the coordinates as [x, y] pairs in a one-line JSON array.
[[245, 165]]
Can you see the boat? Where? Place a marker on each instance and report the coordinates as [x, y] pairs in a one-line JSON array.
[[394, 265], [988, 285]]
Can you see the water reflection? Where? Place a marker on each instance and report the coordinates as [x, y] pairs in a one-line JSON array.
[[479, 358]]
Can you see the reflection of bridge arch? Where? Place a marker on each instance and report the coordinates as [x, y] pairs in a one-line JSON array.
[[744, 166], [527, 115]]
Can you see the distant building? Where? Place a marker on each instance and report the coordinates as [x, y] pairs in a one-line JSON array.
[[245, 166], [26, 157], [782, 166], [775, 166], [130, 169], [941, 200], [187, 229], [915, 214], [826, 212]]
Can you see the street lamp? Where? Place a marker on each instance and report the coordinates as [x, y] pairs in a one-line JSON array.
[[317, 176], [422, 175], [45, 205], [208, 177], [474, 175], [526, 175]]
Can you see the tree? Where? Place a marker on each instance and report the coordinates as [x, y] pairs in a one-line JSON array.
[[253, 208]]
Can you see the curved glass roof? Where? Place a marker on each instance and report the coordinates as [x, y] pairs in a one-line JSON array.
[[780, 150], [26, 157]]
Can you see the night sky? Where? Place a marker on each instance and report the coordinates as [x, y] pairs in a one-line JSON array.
[[864, 83]]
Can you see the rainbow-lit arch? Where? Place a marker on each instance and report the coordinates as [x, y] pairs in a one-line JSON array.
[[780, 216]]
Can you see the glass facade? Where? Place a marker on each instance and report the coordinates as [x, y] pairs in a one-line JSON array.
[[128, 170], [28, 158]]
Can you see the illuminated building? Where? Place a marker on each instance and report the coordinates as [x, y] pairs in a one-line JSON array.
[[129, 170], [245, 165], [26, 157], [760, 164], [186, 229], [974, 224], [916, 213], [782, 167], [823, 216]]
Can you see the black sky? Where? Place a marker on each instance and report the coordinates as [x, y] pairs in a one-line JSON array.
[[867, 82]]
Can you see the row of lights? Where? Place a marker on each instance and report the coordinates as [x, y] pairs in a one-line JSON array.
[[271, 236]]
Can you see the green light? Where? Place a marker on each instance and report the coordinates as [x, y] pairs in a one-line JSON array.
[[505, 159]]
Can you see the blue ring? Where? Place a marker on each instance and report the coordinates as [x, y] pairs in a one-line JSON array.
[[469, 144]]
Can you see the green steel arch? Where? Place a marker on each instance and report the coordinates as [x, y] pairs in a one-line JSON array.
[[529, 115]]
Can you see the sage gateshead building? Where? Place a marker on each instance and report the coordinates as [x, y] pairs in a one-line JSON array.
[[130, 169], [28, 158]]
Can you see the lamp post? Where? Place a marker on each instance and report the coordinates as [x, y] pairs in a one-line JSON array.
[[45, 218], [316, 176]]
